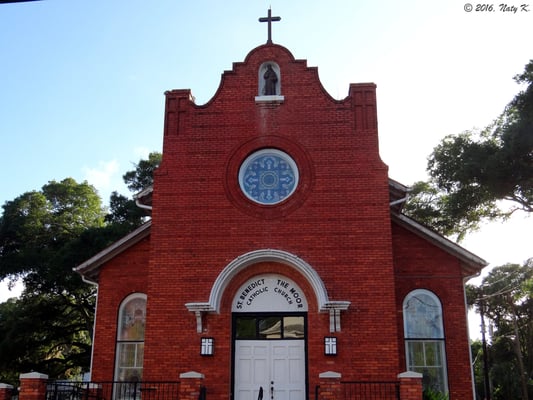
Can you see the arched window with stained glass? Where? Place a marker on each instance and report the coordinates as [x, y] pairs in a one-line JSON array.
[[130, 338], [424, 339]]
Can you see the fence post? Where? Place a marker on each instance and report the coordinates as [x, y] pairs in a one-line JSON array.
[[5, 391], [92, 391], [32, 386], [190, 385], [410, 385], [330, 386]]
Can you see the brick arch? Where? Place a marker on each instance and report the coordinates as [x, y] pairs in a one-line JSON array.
[[267, 255], [246, 260], [240, 263]]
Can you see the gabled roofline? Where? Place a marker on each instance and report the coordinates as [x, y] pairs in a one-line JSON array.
[[89, 269], [394, 184], [469, 259]]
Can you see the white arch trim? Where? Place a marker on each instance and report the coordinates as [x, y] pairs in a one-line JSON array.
[[269, 255]]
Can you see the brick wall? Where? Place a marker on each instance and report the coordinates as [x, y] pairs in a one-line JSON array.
[[122, 276], [421, 265], [338, 221]]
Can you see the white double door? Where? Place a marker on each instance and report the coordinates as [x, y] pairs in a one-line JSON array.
[[276, 366]]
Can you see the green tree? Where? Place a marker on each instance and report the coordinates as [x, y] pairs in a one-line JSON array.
[[47, 333], [36, 225], [48, 328], [143, 174], [43, 235], [506, 300], [473, 172], [123, 210]]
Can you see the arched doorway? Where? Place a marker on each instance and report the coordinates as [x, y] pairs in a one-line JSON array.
[[269, 332]]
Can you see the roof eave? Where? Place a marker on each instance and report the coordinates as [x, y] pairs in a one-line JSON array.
[[89, 269], [472, 264]]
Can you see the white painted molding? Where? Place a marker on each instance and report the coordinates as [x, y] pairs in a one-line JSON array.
[[410, 374], [33, 375], [5, 386], [268, 255], [270, 99], [199, 309], [335, 308], [330, 375], [192, 375]]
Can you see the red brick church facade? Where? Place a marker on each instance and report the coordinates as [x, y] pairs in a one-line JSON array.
[[277, 237]]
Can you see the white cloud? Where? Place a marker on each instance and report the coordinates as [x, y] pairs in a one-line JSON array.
[[105, 177], [101, 176]]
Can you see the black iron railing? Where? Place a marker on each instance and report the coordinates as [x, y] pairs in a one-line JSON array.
[[14, 394], [67, 390]]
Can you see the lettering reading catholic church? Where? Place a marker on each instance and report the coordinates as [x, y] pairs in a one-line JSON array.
[[262, 286]]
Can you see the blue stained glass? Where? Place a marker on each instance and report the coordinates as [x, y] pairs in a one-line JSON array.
[[268, 176]]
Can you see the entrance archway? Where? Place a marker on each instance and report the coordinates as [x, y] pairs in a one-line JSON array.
[[314, 285], [269, 331]]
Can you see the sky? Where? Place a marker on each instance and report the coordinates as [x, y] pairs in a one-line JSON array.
[[82, 82]]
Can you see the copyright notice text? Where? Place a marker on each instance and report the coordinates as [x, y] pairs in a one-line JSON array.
[[502, 8]]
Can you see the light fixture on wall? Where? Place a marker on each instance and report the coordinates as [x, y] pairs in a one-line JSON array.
[[330, 346], [207, 346]]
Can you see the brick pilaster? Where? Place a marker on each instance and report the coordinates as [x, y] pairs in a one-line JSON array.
[[190, 385], [410, 385], [5, 391], [32, 386], [330, 386]]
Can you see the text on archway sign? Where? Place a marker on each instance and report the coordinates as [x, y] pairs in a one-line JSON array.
[[269, 293]]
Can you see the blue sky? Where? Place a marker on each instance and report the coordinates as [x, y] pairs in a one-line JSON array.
[[82, 82]]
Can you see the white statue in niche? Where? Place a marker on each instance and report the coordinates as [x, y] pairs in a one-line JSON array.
[[269, 79]]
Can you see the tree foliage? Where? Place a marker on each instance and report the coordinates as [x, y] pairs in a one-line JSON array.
[[472, 172], [142, 176], [48, 328], [46, 332], [506, 300], [43, 235], [35, 225]]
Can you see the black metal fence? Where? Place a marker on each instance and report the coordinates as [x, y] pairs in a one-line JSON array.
[[14, 393], [370, 390], [68, 390]]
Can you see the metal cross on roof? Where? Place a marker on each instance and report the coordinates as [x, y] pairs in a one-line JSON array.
[[269, 19]]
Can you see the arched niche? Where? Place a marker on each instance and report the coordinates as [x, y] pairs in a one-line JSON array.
[[269, 79]]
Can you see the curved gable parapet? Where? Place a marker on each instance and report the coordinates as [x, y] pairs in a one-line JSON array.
[[275, 49], [298, 89], [297, 80]]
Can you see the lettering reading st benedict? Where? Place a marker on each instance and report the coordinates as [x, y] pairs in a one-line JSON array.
[[262, 288], [269, 293]]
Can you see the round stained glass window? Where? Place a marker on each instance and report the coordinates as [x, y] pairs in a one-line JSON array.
[[268, 176]]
